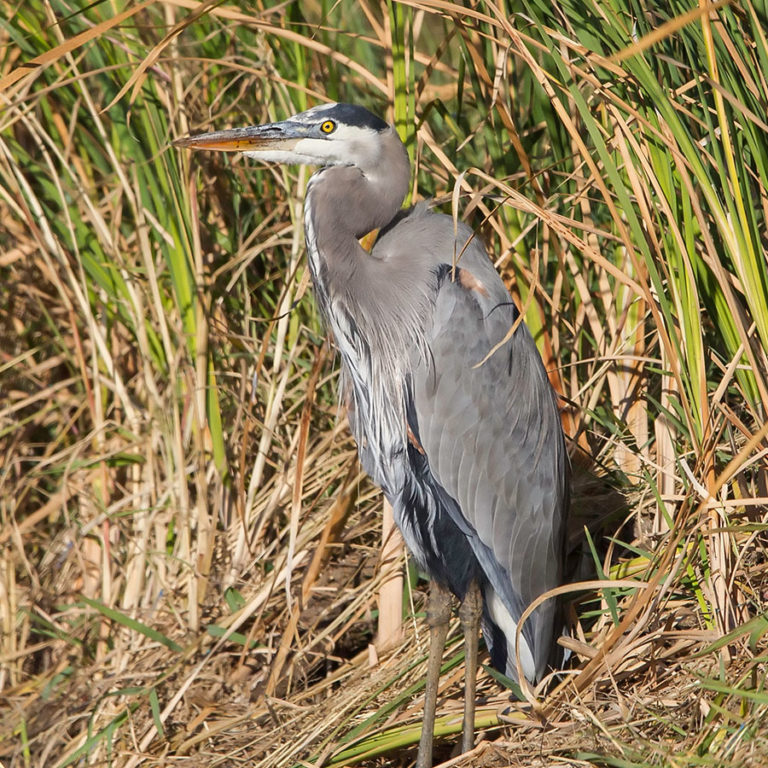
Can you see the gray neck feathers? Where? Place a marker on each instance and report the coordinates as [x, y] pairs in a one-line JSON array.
[[374, 307]]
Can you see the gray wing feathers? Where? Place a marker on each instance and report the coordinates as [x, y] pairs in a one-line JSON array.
[[493, 437]]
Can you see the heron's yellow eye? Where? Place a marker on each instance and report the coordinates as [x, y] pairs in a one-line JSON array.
[[328, 126]]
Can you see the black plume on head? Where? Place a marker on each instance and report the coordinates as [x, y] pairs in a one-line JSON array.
[[352, 114]]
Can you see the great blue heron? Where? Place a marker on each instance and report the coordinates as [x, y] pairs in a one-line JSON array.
[[468, 450]]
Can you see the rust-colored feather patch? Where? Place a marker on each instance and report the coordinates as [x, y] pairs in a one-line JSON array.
[[468, 281], [414, 442]]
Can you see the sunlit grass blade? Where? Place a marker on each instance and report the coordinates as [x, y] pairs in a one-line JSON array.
[[135, 626]]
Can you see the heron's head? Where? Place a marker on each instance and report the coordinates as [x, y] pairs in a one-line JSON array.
[[329, 134]]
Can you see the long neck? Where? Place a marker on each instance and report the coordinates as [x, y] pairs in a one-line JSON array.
[[376, 304], [343, 204]]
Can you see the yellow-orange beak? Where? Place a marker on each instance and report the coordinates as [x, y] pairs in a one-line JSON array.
[[256, 138]]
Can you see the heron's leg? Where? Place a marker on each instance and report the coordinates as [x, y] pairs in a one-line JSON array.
[[470, 612], [438, 616]]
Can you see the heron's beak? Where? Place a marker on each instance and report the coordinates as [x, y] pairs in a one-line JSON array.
[[256, 138]]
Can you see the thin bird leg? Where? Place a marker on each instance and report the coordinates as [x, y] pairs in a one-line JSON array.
[[470, 611], [438, 616]]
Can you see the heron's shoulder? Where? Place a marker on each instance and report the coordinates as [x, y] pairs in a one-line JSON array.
[[424, 214], [420, 233], [415, 216]]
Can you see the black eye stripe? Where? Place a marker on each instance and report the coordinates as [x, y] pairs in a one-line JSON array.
[[352, 115]]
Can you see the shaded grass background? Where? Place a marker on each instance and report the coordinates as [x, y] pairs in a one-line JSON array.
[[189, 550]]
